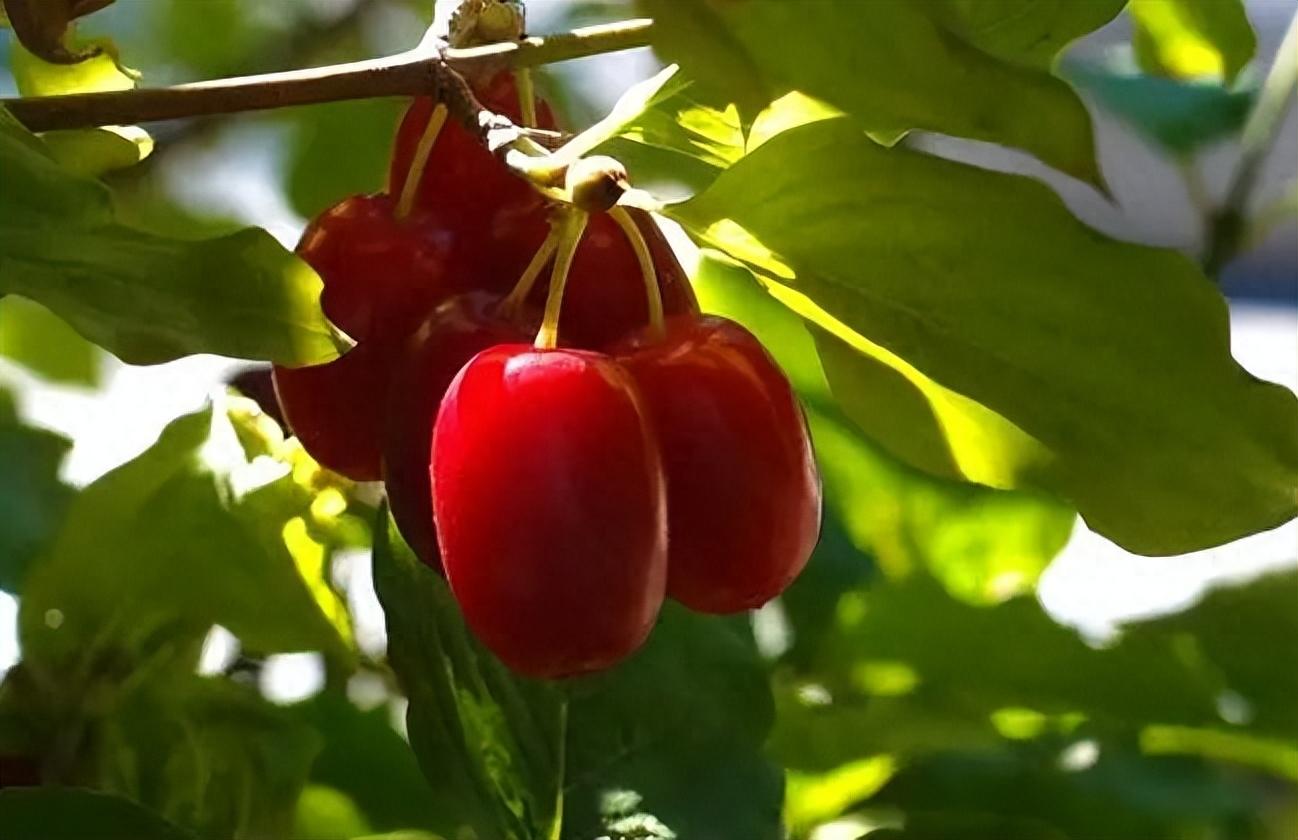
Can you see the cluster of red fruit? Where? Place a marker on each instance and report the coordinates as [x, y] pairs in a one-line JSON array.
[[564, 490]]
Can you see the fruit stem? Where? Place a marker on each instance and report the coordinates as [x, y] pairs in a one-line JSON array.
[[571, 226], [526, 96], [516, 298], [415, 174], [653, 294]]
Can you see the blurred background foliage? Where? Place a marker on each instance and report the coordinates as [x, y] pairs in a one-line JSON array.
[[909, 685]]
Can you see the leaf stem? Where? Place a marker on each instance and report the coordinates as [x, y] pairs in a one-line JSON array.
[[1226, 233]]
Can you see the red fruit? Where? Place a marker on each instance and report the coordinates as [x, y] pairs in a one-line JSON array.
[[604, 300], [548, 495], [459, 170], [336, 409], [452, 335], [381, 274], [742, 487]]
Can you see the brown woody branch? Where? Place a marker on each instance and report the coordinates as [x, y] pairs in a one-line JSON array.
[[428, 69]]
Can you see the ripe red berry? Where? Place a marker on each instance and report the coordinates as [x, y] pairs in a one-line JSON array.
[[605, 297], [381, 274], [743, 493], [336, 409], [549, 504], [485, 193], [454, 333]]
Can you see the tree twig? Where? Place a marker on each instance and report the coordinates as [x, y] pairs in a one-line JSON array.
[[426, 69], [1227, 232]]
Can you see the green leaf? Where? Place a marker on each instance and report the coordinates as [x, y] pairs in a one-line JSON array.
[[671, 736], [486, 740], [337, 150], [984, 284], [143, 297], [893, 65], [365, 759], [1179, 116], [1029, 32], [32, 497], [189, 534], [324, 813], [984, 545], [1192, 39], [40, 341], [73, 814]]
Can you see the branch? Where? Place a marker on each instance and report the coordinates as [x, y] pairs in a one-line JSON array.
[[1226, 233], [423, 70]]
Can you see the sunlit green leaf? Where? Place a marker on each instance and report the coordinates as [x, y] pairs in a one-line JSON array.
[[143, 297], [984, 284], [32, 499], [892, 64], [1192, 39], [325, 813], [189, 534], [40, 341], [982, 544], [76, 814], [1030, 32]]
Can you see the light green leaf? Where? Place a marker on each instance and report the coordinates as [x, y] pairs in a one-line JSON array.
[[76, 814], [143, 297], [189, 534], [985, 284], [1192, 39], [1030, 32], [892, 64], [40, 341], [32, 498], [337, 150], [983, 545]]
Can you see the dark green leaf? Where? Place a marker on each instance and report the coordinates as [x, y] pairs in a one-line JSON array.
[[143, 297], [1034, 329], [366, 760], [207, 753], [73, 814], [188, 534], [1192, 39], [39, 340], [485, 739], [32, 499], [1181, 117], [677, 729], [891, 64]]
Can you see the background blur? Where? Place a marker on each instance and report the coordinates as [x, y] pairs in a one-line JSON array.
[[275, 170]]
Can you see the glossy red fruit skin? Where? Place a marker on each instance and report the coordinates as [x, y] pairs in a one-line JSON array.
[[548, 495], [336, 409], [449, 337], [605, 297], [380, 274], [459, 169], [743, 491]]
